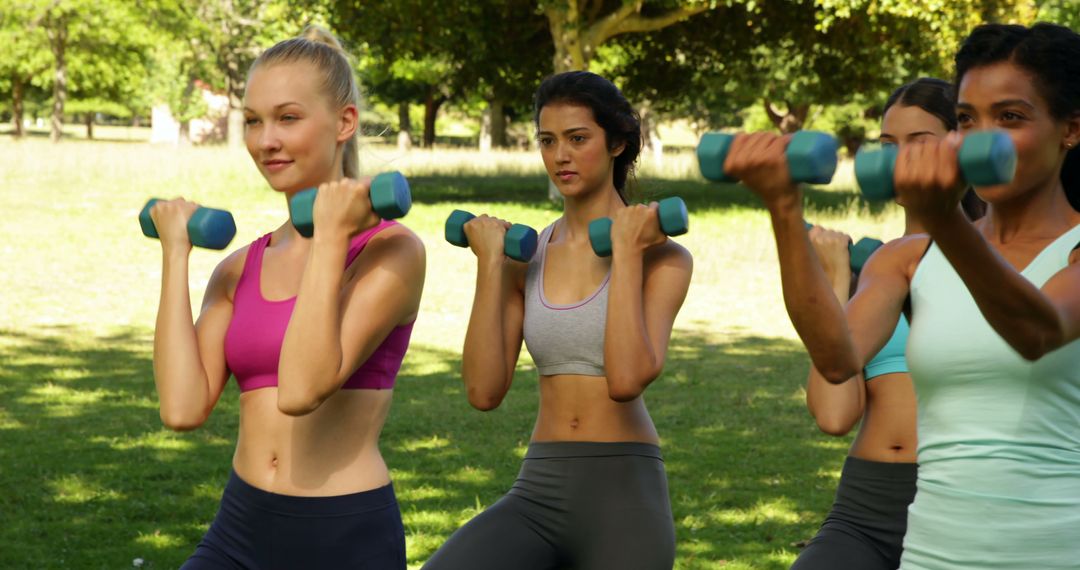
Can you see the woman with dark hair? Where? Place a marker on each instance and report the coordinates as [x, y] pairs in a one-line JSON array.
[[592, 491], [866, 526], [995, 310]]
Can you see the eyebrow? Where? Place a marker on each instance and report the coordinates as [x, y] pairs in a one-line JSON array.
[[566, 132], [999, 104], [278, 106]]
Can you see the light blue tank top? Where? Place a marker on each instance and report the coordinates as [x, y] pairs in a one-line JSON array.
[[890, 360], [999, 437]]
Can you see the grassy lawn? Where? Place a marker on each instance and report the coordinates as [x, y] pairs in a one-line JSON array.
[[90, 479]]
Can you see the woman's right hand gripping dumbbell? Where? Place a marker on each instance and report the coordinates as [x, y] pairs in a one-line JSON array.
[[487, 237]]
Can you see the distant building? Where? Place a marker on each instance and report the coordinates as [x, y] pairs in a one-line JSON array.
[[213, 127]]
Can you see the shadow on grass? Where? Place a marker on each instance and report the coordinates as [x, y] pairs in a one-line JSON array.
[[698, 194], [91, 479]]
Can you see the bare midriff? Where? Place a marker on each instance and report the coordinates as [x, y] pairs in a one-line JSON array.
[[888, 432], [578, 408], [331, 451]]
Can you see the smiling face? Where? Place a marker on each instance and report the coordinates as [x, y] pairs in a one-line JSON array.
[[292, 132], [574, 149], [905, 124], [1004, 96]]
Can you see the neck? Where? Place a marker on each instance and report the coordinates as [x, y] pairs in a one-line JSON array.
[[578, 211], [1035, 213]]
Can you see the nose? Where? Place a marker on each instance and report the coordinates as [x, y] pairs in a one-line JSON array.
[[562, 153], [268, 139]]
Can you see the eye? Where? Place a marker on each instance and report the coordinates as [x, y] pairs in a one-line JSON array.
[[1009, 116], [964, 120], [249, 121], [546, 141], [577, 138], [288, 118]]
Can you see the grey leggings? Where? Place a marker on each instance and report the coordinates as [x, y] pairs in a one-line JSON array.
[[865, 530], [575, 505]]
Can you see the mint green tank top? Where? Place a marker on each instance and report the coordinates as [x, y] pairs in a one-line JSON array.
[[999, 437]]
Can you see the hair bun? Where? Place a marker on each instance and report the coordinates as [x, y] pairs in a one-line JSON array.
[[321, 35]]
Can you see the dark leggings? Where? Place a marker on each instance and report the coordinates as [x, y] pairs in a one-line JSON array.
[[579, 505], [865, 529], [257, 529]]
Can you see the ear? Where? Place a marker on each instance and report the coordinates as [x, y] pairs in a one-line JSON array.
[[348, 122], [1072, 131], [618, 150]]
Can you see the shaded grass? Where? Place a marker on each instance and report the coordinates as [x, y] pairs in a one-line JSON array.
[[90, 479]]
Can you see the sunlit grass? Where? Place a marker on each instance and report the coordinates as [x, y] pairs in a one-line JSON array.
[[89, 477]]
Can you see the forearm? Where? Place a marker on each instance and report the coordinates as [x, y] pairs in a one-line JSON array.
[[179, 374], [1013, 306], [835, 407], [630, 362], [484, 365], [310, 367], [810, 298]]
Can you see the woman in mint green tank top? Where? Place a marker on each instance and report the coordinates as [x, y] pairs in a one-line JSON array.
[[995, 305]]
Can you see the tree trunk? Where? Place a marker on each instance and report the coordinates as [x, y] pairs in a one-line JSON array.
[[17, 106], [184, 136], [431, 111], [234, 126], [58, 35], [788, 121], [89, 120], [485, 130], [404, 135], [651, 134], [498, 122]]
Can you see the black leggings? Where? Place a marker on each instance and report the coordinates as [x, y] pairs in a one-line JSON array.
[[257, 529], [580, 505], [865, 529]]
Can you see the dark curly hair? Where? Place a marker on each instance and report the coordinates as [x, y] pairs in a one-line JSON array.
[[621, 123], [1051, 54]]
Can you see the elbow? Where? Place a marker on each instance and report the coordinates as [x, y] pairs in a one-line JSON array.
[[296, 404], [625, 388], [834, 425], [838, 374], [181, 421], [485, 402]]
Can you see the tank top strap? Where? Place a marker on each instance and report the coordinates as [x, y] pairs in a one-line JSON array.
[[361, 239], [253, 263]]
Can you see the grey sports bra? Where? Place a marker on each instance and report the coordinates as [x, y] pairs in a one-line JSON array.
[[563, 339]]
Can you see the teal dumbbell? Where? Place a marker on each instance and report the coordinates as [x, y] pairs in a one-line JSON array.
[[860, 251], [987, 158], [674, 221], [208, 227], [519, 244], [811, 156], [390, 199]]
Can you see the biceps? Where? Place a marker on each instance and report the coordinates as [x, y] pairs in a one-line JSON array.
[[210, 331], [1061, 291], [664, 296], [872, 316], [371, 308]]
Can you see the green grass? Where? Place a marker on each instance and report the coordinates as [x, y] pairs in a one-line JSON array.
[[90, 479]]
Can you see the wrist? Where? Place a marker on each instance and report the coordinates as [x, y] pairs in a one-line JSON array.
[[786, 208]]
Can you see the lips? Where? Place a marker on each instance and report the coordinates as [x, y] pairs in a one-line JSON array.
[[565, 175], [276, 165]]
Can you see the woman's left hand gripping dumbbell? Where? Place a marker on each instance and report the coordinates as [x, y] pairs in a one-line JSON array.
[[343, 207]]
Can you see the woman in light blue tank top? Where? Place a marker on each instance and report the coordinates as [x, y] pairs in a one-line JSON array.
[[866, 525], [993, 346], [592, 492]]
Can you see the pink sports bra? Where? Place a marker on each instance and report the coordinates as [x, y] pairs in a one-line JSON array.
[[257, 329]]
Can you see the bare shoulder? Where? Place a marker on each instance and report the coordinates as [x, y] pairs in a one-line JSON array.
[[669, 255], [903, 252], [399, 243], [227, 273]]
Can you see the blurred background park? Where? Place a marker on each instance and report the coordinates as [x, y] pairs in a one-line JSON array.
[[106, 103]]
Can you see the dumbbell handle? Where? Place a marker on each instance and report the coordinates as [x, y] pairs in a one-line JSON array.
[[859, 252], [519, 243], [811, 156], [391, 198], [986, 158], [209, 228], [671, 215]]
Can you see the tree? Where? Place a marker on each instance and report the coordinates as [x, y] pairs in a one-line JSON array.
[[23, 59]]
